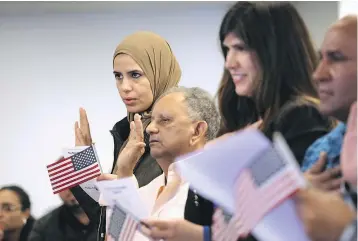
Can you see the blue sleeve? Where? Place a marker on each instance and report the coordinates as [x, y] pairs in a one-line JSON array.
[[311, 156], [207, 233]]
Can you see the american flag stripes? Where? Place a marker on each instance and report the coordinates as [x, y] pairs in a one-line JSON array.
[[122, 227], [74, 170], [260, 187], [225, 227], [219, 226]]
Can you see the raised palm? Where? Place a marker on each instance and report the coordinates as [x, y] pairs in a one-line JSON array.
[[136, 135], [82, 131], [134, 148]]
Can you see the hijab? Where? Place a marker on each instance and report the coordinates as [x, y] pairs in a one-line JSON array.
[[155, 57]]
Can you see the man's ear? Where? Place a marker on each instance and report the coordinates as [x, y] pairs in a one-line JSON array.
[[200, 130]]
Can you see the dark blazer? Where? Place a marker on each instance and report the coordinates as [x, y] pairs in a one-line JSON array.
[[198, 210], [145, 171], [300, 123]]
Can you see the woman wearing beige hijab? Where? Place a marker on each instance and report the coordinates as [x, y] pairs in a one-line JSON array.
[[144, 67]]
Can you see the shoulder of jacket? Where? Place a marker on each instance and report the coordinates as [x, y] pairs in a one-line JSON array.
[[302, 108], [117, 126], [47, 218], [300, 103]]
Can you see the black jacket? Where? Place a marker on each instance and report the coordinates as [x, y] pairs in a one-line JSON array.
[[61, 225], [26, 229], [145, 171], [300, 123], [198, 210]]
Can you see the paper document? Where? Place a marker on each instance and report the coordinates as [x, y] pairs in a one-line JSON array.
[[124, 193], [270, 227], [218, 167], [253, 179]]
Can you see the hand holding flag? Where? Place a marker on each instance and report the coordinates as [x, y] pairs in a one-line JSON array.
[[74, 170], [252, 178]]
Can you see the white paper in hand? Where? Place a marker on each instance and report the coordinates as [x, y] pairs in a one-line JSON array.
[[281, 224], [284, 215], [216, 171], [219, 165], [90, 186], [285, 152], [124, 192]]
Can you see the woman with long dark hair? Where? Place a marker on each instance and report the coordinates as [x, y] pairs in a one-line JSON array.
[[267, 83], [269, 63]]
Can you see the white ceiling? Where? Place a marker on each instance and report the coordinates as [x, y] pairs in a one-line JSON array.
[[36, 8]]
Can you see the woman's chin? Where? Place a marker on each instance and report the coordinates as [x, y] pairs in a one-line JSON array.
[[242, 91], [135, 109]]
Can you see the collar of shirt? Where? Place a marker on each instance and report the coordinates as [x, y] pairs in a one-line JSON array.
[[173, 176]]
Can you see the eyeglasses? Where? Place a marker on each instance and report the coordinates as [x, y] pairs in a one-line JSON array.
[[7, 207]]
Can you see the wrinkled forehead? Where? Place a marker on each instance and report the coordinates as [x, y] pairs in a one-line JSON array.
[[342, 36], [172, 103]]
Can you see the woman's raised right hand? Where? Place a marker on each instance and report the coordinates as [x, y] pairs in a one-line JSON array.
[[134, 149]]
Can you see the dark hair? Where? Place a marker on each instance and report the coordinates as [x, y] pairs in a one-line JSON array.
[[286, 55], [23, 196], [25, 204]]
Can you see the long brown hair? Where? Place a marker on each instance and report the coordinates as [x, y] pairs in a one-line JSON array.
[[286, 55]]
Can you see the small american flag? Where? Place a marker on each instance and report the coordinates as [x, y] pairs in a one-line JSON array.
[[225, 227], [220, 225], [260, 188], [122, 227], [74, 170]]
